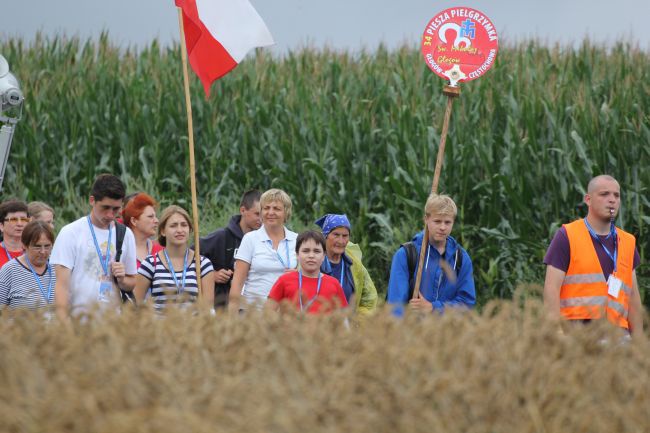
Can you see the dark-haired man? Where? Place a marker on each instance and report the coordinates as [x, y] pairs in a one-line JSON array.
[[13, 219], [84, 253], [590, 265], [220, 246]]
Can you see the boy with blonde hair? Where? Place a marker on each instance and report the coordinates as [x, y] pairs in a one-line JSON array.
[[447, 277]]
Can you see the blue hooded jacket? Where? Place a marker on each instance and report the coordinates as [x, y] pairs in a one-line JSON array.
[[435, 285]]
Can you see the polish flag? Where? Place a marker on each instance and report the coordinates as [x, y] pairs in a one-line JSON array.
[[218, 34]]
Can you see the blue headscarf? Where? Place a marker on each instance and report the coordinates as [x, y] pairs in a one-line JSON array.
[[331, 221]]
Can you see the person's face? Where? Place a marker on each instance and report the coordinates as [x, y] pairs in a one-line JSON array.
[[147, 223], [47, 217], [604, 200], [251, 217], [337, 240], [273, 214], [310, 256], [14, 223], [39, 252], [105, 210], [439, 227], [177, 230]]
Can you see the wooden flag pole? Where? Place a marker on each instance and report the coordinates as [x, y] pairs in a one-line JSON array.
[[451, 92], [190, 135]]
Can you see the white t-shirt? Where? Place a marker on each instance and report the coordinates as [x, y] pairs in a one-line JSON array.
[[75, 249], [266, 264]]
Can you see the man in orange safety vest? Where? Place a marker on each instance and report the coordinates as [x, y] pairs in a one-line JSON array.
[[590, 265]]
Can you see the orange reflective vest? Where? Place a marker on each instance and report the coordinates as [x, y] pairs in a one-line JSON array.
[[583, 294]]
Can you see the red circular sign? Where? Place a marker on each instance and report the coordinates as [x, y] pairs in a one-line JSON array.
[[460, 44]]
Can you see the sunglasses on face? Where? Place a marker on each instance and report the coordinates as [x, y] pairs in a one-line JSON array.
[[17, 219]]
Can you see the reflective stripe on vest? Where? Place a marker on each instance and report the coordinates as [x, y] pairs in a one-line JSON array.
[[583, 294]]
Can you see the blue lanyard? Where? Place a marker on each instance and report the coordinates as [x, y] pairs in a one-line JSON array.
[[611, 232], [6, 251], [105, 262], [47, 295], [180, 288], [311, 301], [342, 269], [286, 245]]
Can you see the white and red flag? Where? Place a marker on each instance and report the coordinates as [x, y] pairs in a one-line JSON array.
[[218, 34]]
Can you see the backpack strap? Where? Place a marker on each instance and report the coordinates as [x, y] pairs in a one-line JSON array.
[[411, 260], [120, 232]]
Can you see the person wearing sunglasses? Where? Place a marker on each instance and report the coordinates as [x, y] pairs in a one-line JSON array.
[[14, 216], [27, 282]]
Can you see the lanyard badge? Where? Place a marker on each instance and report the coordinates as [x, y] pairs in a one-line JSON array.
[[47, 296], [287, 264], [311, 301], [180, 288], [6, 251], [106, 285], [612, 232]]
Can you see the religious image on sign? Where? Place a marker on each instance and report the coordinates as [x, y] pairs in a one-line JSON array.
[[460, 44]]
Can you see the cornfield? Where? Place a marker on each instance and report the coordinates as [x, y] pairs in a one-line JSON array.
[[503, 370], [343, 132]]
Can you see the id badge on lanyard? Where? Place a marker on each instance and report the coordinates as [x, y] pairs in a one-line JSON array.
[[105, 282], [614, 285]]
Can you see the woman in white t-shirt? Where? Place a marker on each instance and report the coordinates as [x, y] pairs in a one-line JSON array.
[[264, 254]]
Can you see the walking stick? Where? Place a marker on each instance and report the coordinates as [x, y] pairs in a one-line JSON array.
[[451, 92]]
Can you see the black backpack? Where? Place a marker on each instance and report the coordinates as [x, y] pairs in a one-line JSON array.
[[412, 260], [120, 231]]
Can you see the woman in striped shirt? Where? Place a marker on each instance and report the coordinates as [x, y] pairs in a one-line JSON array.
[[28, 280], [171, 273]]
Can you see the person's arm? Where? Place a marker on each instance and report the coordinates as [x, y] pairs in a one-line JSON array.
[[124, 281], [552, 284], [207, 283], [142, 284], [144, 279], [276, 295], [126, 269], [207, 289], [635, 316], [5, 286], [239, 278], [62, 292], [398, 283]]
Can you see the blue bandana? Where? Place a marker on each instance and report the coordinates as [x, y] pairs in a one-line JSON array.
[[331, 221]]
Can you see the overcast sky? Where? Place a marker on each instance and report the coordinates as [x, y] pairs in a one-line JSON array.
[[341, 24]]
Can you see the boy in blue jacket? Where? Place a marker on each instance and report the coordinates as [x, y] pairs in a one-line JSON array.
[[447, 279]]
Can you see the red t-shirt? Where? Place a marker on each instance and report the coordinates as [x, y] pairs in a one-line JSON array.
[[155, 247], [330, 297], [3, 256]]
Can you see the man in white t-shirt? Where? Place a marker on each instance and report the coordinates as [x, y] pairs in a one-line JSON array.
[[84, 254]]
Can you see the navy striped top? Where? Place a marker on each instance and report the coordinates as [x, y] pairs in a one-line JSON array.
[[163, 287], [19, 289]]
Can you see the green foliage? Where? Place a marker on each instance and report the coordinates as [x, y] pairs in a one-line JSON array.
[[348, 133]]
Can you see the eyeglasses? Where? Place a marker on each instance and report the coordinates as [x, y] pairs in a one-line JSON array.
[[16, 219], [41, 248]]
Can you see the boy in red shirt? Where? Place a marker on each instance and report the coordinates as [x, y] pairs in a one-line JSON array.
[[308, 289]]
